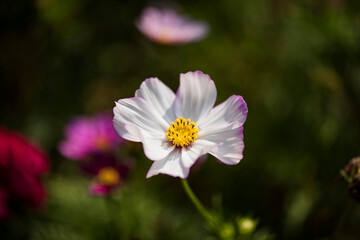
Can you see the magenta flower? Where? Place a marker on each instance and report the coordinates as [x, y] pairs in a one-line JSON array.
[[109, 174], [21, 167], [85, 136], [168, 27]]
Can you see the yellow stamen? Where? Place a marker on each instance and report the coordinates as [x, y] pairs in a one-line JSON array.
[[109, 176], [182, 132]]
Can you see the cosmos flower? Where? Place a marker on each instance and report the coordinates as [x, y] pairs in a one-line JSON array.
[[109, 174], [21, 167], [176, 129], [86, 136], [168, 27]]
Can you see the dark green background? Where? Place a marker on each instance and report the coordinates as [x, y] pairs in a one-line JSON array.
[[296, 63]]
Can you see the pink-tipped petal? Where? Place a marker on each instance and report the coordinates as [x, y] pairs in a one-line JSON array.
[[195, 97], [171, 165], [229, 140], [234, 109], [160, 96]]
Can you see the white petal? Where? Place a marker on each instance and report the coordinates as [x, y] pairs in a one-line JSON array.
[[194, 151], [195, 97], [127, 131], [229, 140], [234, 109], [160, 96], [156, 147], [171, 165], [137, 111]]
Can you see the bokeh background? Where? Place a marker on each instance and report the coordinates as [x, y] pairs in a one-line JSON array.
[[296, 63]]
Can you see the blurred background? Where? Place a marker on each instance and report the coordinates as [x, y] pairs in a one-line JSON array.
[[296, 63]]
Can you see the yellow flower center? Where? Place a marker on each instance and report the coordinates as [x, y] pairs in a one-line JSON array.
[[182, 132], [109, 176]]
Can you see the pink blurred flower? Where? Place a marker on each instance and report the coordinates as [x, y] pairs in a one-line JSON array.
[[168, 27], [85, 136], [109, 174], [21, 166]]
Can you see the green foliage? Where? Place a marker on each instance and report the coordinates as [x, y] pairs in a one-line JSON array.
[[132, 213]]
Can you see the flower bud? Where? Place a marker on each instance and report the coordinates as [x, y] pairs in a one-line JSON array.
[[246, 225], [351, 173]]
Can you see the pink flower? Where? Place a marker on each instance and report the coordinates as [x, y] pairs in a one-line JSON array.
[[108, 173], [21, 166], [168, 27], [85, 136]]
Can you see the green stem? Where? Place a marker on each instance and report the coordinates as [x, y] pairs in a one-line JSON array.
[[111, 222], [202, 210]]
